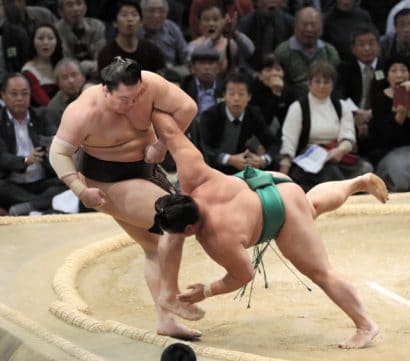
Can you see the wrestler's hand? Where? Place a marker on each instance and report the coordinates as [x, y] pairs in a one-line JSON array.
[[195, 295], [92, 197], [155, 153]]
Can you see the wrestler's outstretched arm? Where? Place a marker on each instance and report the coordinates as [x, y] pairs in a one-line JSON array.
[[239, 269], [191, 167]]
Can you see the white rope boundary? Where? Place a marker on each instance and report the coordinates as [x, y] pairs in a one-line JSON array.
[[71, 307], [29, 325]]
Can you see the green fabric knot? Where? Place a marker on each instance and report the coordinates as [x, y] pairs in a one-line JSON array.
[[257, 180]]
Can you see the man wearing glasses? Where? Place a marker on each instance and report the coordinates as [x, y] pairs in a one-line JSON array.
[[116, 171], [27, 182]]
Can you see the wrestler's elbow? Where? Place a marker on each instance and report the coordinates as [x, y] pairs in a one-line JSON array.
[[246, 275], [60, 157]]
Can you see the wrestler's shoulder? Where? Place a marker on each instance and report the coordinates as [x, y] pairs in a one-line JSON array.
[[86, 104], [150, 77]]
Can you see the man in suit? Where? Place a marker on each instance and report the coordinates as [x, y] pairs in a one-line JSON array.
[[203, 85], [228, 128], [267, 27], [27, 182], [363, 76]]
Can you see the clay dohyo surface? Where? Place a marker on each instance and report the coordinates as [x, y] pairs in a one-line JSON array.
[[284, 321]]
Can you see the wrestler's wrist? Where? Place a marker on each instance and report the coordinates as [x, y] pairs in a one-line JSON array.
[[207, 291], [77, 187], [161, 145]]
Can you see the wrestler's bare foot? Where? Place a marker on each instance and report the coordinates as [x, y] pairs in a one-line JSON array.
[[362, 337], [172, 328], [374, 185], [182, 309]]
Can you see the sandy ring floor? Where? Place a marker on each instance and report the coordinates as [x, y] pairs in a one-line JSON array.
[[65, 280]]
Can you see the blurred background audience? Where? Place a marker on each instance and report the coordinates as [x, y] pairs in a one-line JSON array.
[[270, 78]]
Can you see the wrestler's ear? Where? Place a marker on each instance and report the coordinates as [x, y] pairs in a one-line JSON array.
[[189, 230]]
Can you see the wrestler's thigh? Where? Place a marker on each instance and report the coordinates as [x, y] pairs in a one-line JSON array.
[[131, 201], [147, 240], [300, 241]]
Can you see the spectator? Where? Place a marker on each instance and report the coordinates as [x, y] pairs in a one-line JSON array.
[[267, 27], [271, 93], [70, 80], [28, 17], [398, 43], [226, 128], [339, 22], [219, 32], [14, 44], [232, 7], [319, 119], [126, 43], [82, 37], [164, 33], [203, 85], [44, 53], [178, 352], [389, 140], [404, 4], [27, 182], [303, 48], [361, 77]]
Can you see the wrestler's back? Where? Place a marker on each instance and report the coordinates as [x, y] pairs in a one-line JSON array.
[[108, 135], [232, 213]]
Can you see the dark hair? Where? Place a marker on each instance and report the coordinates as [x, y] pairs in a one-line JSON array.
[[396, 59], [174, 212], [323, 68], [8, 76], [210, 5], [58, 51], [13, 13], [237, 77], [402, 12], [178, 352], [121, 71], [122, 3], [362, 29], [269, 60]]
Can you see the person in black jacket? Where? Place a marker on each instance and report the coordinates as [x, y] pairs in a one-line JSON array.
[[27, 182], [14, 47], [226, 131], [267, 27], [352, 82]]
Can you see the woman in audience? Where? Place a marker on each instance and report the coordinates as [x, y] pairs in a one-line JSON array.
[[388, 143], [44, 53], [320, 119]]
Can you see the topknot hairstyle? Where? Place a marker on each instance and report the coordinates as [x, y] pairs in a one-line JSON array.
[[121, 71], [174, 212]]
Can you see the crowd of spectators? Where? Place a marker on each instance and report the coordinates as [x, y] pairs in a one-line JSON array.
[[271, 79]]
